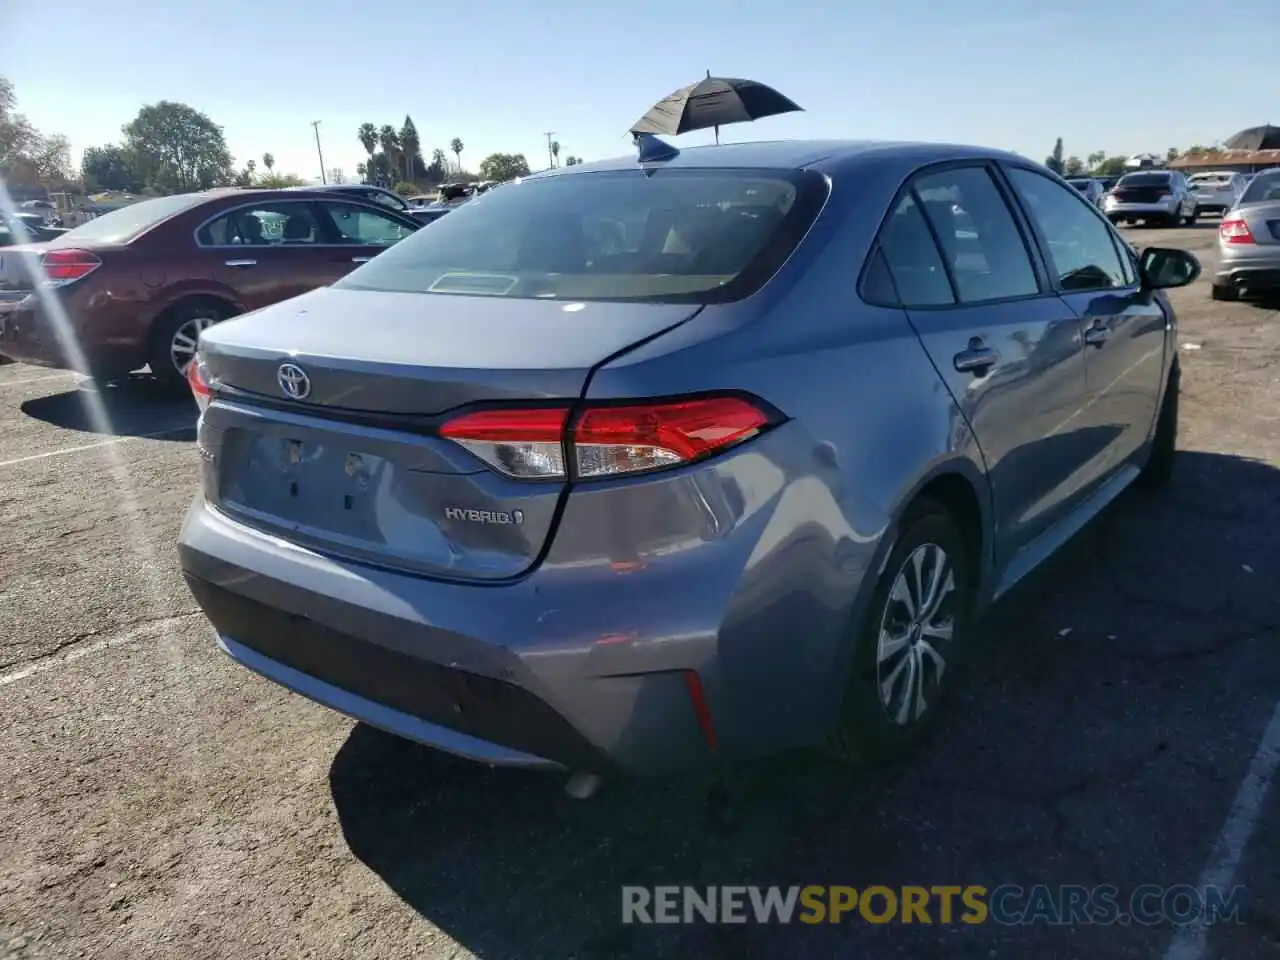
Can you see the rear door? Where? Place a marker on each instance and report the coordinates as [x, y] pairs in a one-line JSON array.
[[1124, 327], [266, 252], [1008, 349], [358, 232]]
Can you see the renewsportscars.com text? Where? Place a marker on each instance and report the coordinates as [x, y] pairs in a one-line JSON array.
[[1009, 904]]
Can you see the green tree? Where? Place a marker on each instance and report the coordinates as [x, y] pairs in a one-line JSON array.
[[407, 189], [110, 167], [269, 162], [1096, 158], [368, 135], [411, 147], [1073, 167], [504, 166], [1171, 154], [389, 140], [555, 152], [1111, 167], [278, 181], [26, 156], [456, 146], [178, 148], [1054, 160]]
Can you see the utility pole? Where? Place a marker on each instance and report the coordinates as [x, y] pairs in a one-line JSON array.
[[315, 124], [551, 157]]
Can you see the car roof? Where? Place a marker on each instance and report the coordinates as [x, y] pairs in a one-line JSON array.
[[795, 154]]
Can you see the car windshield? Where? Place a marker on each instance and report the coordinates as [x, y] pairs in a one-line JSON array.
[[1080, 184], [127, 222], [1144, 180], [1263, 187], [683, 236]]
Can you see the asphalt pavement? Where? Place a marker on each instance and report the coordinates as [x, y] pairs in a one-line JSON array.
[[1116, 729]]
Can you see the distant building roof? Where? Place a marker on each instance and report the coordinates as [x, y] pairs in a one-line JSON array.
[[1228, 158]]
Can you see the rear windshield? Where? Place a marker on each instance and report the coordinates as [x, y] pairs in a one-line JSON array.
[[1263, 187], [1144, 180], [1211, 178], [673, 236], [1080, 184], [127, 222]]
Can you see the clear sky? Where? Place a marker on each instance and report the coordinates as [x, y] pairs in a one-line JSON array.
[[1123, 77]]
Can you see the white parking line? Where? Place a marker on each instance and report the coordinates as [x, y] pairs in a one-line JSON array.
[[1191, 941], [61, 660], [51, 376], [94, 446]]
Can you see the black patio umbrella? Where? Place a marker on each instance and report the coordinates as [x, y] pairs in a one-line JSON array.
[[1265, 137], [713, 102]]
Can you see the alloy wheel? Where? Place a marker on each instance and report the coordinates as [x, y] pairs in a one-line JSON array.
[[182, 346], [916, 630]]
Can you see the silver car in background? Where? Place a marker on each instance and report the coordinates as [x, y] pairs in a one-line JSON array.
[[1249, 241], [1217, 192], [1153, 196], [1090, 189]]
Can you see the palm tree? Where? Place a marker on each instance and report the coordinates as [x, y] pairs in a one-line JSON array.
[[269, 162], [409, 143], [368, 135], [389, 140], [456, 147], [555, 151]]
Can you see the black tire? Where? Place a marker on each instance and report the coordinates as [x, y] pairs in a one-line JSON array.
[[1115, 221], [1220, 292], [162, 355], [868, 731], [1157, 472]]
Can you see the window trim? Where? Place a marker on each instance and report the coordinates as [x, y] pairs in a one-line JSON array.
[[1039, 267], [1117, 241], [317, 214]]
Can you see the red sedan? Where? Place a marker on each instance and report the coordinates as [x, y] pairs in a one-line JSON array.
[[138, 284]]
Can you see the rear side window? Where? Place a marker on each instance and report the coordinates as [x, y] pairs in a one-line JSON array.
[[266, 224], [1081, 252], [913, 258], [354, 224], [672, 235], [980, 240]]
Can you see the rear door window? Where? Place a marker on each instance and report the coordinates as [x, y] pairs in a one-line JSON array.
[[288, 223], [979, 238]]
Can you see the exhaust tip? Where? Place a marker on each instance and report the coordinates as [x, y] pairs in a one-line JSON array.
[[583, 786]]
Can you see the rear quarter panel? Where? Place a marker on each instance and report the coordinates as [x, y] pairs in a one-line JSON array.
[[869, 423]]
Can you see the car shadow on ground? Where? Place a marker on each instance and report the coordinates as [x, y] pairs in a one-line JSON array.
[[1124, 665], [135, 406]]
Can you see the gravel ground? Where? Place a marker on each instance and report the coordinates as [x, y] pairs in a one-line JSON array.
[[158, 801]]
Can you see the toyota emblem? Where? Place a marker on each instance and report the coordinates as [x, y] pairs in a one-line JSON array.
[[293, 381]]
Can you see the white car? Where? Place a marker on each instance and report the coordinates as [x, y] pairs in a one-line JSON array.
[[1217, 192]]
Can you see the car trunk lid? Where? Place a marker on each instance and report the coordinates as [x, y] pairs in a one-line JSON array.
[[354, 464]]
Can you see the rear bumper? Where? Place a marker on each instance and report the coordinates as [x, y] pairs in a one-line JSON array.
[[1139, 211], [28, 335], [584, 664]]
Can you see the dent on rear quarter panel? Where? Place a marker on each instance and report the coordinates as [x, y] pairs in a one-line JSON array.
[[814, 500]]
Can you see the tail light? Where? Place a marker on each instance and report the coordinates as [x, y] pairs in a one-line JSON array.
[[1235, 230], [198, 379], [608, 440], [68, 265]]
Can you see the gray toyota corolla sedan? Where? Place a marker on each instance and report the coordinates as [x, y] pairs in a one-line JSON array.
[[639, 464]]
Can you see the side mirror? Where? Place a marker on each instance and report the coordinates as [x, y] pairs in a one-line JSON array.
[[1163, 268]]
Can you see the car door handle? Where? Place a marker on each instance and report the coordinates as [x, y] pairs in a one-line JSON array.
[[977, 358], [1097, 335], [242, 263], [361, 259]]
